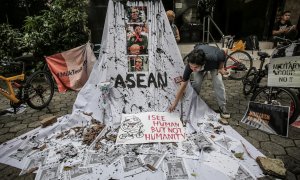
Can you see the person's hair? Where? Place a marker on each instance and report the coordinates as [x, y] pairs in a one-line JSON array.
[[170, 13], [136, 25], [197, 56], [284, 12], [134, 8]]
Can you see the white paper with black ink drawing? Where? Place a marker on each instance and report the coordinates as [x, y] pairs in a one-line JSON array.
[[34, 161], [49, 173], [176, 169]]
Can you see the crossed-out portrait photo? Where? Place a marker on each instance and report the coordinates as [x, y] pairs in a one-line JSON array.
[[137, 39], [138, 63], [136, 14]]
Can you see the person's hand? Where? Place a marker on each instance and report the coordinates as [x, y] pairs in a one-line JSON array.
[[223, 72], [172, 107]]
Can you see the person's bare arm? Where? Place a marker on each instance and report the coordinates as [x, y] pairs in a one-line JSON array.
[[221, 69], [281, 31], [179, 95]]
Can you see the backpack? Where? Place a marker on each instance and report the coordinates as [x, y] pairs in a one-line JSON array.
[[252, 42], [238, 45]]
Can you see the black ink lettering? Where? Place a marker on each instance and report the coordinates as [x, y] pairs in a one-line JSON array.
[[119, 81]]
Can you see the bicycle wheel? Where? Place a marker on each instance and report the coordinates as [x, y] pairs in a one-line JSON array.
[[249, 82], [278, 96], [39, 90], [238, 63]]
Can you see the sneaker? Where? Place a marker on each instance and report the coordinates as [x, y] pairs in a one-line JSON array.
[[224, 113]]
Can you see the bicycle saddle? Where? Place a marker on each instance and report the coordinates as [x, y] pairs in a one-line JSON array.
[[263, 55], [25, 58]]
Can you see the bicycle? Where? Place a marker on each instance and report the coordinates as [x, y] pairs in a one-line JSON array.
[[37, 90], [238, 62], [270, 95]]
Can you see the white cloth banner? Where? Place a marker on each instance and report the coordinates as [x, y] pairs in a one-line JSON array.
[[133, 75], [150, 127]]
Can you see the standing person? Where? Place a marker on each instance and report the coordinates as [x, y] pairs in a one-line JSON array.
[[171, 18], [284, 28], [205, 58]]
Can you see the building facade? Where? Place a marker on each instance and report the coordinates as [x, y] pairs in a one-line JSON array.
[[233, 17]]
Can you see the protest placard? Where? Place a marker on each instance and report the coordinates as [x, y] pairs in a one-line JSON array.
[[150, 127], [267, 117], [284, 72]]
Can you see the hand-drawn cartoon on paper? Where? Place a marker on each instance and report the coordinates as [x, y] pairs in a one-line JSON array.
[[133, 128], [137, 39], [136, 14]]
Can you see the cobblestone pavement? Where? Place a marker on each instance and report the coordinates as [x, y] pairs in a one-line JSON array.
[[287, 149]]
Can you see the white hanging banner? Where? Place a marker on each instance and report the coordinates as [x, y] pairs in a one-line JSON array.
[[150, 127]]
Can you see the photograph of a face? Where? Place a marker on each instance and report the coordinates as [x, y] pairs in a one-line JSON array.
[[137, 39], [136, 14], [138, 63]]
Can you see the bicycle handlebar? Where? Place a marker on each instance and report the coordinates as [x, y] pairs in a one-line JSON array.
[[228, 37], [284, 39]]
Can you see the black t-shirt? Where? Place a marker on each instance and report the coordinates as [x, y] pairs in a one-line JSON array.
[[279, 26], [214, 56]]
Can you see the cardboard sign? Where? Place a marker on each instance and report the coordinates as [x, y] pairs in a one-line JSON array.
[[150, 127], [284, 72], [269, 118]]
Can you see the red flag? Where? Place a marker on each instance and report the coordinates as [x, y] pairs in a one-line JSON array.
[[72, 68]]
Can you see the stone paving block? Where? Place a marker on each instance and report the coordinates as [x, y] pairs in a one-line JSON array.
[[290, 176], [11, 124], [6, 119], [254, 142], [267, 153], [297, 142], [273, 148], [29, 120], [241, 131], [18, 128], [2, 166], [283, 141], [24, 116], [19, 133], [3, 130], [293, 152], [294, 133], [38, 113], [291, 163], [34, 124], [259, 135], [6, 137]]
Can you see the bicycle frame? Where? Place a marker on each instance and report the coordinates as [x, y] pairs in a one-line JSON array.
[[10, 94], [232, 66]]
